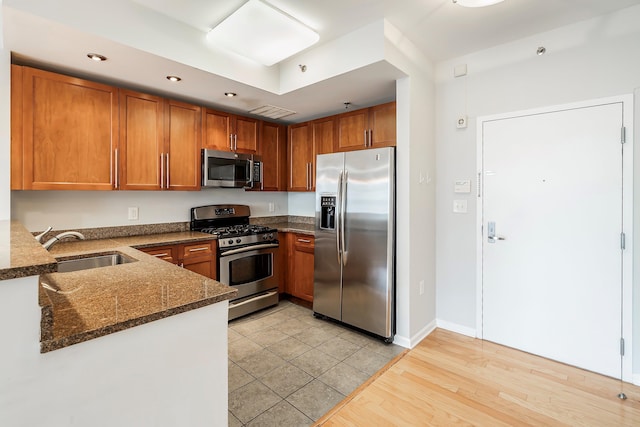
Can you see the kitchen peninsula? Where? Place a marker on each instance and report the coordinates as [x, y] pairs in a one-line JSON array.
[[150, 338]]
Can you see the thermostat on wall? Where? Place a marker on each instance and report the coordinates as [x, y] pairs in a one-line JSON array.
[[461, 123]]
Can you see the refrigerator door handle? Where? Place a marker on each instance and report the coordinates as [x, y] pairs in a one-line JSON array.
[[338, 218], [343, 214]]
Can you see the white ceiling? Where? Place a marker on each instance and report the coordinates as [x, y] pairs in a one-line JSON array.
[[439, 28]]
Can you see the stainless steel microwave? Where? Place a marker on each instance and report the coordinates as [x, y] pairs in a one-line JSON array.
[[230, 170]]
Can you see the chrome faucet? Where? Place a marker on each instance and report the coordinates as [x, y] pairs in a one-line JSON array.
[[52, 241], [41, 235]]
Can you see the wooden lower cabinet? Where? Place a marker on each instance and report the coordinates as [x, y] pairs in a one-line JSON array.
[[301, 259], [197, 257]]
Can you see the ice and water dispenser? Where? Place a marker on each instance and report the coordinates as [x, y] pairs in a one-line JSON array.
[[328, 212]]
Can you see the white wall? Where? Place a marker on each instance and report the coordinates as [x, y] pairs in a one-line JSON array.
[[593, 59], [5, 128], [415, 190], [169, 372], [86, 209]]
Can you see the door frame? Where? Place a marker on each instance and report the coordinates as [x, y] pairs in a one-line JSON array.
[[627, 212]]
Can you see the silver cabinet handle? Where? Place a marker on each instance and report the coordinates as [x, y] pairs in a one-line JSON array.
[[235, 142], [160, 255], [167, 170], [199, 249], [231, 141], [117, 172], [161, 170], [304, 240]]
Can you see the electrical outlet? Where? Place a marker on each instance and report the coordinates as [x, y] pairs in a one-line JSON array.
[[133, 213], [421, 287], [272, 207]]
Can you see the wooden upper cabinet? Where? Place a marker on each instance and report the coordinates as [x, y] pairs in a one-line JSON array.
[[182, 147], [273, 152], [367, 128], [16, 128], [245, 130], [352, 130], [141, 160], [300, 152], [382, 122], [69, 132], [216, 130], [228, 132], [160, 143]]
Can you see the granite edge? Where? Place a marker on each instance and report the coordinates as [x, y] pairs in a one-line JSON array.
[[56, 344]]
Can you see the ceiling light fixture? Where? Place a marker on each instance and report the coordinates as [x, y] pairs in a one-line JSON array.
[[261, 32], [230, 94], [96, 57], [174, 78], [476, 3]]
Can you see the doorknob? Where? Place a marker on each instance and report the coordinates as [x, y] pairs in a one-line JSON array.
[[491, 233]]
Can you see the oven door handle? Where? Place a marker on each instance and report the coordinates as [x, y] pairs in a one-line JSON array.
[[256, 298], [249, 249]]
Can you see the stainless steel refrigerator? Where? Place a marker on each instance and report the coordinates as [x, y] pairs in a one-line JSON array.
[[354, 274]]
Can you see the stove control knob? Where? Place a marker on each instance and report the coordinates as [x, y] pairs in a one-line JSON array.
[[271, 236], [230, 241], [238, 240]]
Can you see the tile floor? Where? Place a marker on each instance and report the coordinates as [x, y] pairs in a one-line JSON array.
[[287, 368]]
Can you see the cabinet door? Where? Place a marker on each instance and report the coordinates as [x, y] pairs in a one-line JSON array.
[[245, 134], [281, 263], [70, 132], [303, 265], [351, 128], [182, 148], [273, 151], [216, 130], [382, 121], [16, 128], [324, 131], [142, 163], [300, 157]]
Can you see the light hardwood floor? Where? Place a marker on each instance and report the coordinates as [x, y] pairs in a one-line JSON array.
[[450, 379]]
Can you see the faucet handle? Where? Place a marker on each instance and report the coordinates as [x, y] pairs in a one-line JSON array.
[[41, 235]]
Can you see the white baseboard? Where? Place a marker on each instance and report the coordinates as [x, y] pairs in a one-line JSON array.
[[459, 329], [635, 379], [415, 339]]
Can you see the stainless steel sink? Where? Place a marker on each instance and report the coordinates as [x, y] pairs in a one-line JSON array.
[[66, 265]]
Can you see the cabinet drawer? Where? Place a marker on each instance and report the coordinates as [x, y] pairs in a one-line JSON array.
[[197, 250], [304, 242], [166, 253]]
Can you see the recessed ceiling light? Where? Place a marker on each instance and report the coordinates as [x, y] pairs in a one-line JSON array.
[[174, 78], [230, 94], [476, 3], [96, 57]]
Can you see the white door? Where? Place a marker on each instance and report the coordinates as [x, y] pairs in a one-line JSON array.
[[552, 277]]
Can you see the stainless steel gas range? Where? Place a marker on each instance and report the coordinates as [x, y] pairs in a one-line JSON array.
[[246, 254]]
